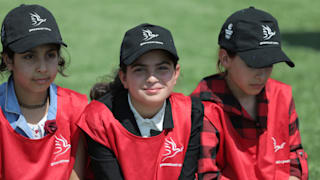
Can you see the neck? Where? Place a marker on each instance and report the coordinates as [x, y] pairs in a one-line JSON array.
[[31, 100], [34, 106], [247, 101], [146, 111]]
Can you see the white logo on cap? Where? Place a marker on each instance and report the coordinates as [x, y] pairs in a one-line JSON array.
[[267, 32], [36, 19], [148, 35], [228, 31]]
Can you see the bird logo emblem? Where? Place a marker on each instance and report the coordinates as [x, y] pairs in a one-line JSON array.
[[171, 149], [277, 147], [62, 146], [36, 19], [267, 32], [148, 35]]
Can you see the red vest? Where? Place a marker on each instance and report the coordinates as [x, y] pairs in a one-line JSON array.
[[267, 157], [157, 157], [51, 157]]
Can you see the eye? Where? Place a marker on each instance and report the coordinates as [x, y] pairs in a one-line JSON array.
[[28, 56], [138, 69], [163, 68], [52, 55]]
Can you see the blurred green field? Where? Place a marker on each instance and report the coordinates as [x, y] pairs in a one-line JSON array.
[[93, 31]]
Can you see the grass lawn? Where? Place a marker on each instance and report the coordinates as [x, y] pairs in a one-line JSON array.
[[93, 31]]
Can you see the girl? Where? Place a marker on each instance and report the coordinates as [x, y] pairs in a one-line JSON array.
[[252, 127], [139, 128], [38, 134]]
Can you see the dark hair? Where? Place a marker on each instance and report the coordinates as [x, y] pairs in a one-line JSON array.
[[115, 86], [62, 63], [219, 66]]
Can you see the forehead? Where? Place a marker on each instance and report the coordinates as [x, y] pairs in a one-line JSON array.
[[154, 57], [44, 47]]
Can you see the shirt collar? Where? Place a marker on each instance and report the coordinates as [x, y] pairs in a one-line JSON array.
[[12, 105], [11, 101], [156, 121]]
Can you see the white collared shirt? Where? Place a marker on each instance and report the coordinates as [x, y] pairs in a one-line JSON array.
[[145, 124], [38, 129]]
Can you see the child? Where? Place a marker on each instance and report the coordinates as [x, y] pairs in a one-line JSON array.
[[38, 134], [139, 128], [252, 132]]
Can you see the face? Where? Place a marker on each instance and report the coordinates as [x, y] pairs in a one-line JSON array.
[[243, 80], [150, 79], [33, 71]]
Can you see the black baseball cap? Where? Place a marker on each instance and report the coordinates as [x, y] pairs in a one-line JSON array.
[[28, 26], [143, 38], [254, 35]]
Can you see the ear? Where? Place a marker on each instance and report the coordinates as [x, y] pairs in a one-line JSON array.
[[7, 61], [177, 73], [224, 58], [123, 79]]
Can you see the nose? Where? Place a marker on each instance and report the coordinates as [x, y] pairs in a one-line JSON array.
[[263, 73], [151, 78], [42, 65]]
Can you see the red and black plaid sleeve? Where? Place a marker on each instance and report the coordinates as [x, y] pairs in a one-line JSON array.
[[298, 158], [208, 169]]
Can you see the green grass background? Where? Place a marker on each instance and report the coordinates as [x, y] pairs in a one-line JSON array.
[[94, 29]]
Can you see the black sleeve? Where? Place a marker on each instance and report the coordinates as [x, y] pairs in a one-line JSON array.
[[190, 165], [103, 162]]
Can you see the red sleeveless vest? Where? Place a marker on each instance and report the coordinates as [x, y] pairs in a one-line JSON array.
[[51, 157], [157, 157], [267, 157]]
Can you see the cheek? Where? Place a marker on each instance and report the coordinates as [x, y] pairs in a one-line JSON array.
[[167, 76]]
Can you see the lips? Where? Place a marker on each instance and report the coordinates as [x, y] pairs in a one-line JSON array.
[[42, 80], [257, 86], [152, 90]]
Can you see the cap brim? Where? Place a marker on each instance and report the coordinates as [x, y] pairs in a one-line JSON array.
[[264, 57], [129, 60], [33, 41]]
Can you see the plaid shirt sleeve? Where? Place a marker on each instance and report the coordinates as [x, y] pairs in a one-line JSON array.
[[298, 158], [210, 139]]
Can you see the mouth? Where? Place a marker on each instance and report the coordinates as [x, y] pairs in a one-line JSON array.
[[44, 80], [257, 86], [152, 91]]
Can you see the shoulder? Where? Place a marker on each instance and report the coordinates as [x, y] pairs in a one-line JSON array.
[[3, 87], [274, 87], [96, 111], [71, 94]]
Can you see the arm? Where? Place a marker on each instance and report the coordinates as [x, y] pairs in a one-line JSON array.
[[104, 163], [79, 165], [298, 158], [192, 155], [210, 144]]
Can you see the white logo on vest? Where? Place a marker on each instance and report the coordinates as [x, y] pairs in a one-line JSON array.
[[61, 147], [277, 147], [172, 150]]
